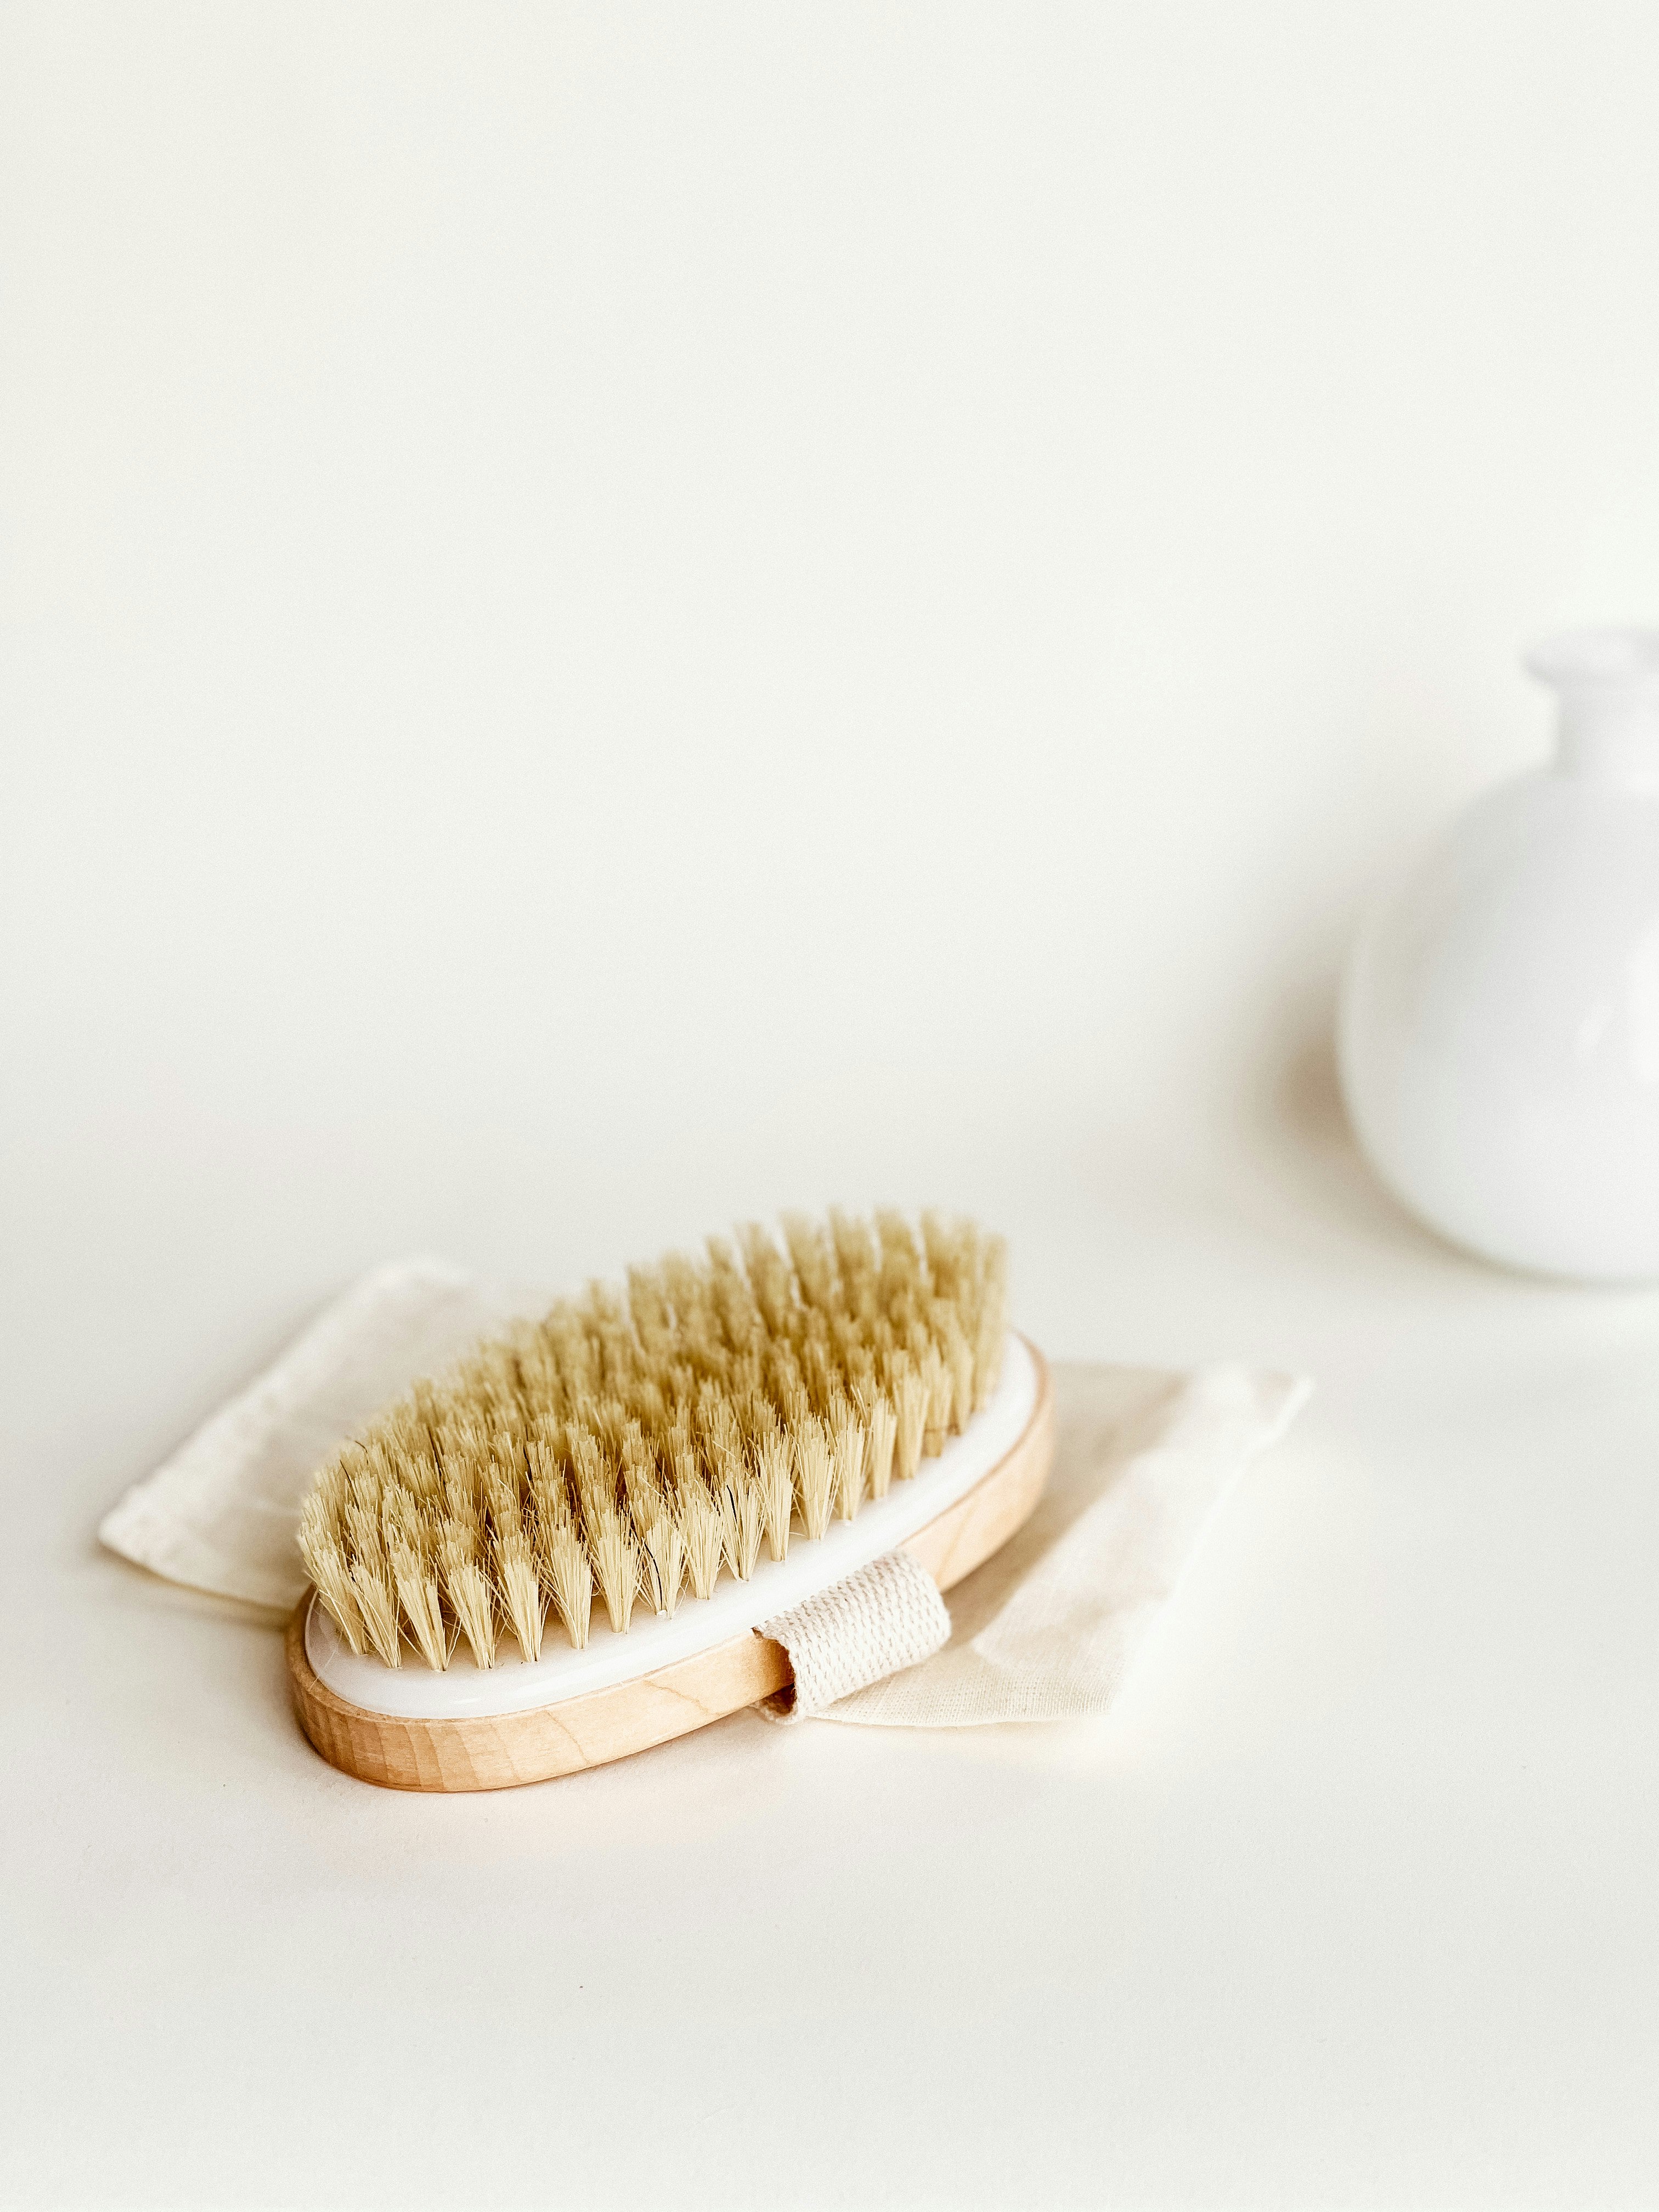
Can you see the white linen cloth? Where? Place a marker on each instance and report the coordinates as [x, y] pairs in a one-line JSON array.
[[1045, 1629]]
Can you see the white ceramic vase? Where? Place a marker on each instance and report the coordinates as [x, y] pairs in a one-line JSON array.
[[1499, 1025]]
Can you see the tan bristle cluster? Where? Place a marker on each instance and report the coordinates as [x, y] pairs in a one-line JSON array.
[[634, 1446]]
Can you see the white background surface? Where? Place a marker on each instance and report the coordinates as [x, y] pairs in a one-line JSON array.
[[613, 618]]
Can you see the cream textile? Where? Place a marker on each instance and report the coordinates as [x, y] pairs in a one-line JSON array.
[[220, 1515], [1045, 1629]]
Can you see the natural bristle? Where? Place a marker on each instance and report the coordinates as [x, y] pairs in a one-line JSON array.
[[637, 1443]]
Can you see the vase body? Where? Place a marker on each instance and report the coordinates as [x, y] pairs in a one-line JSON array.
[[1498, 1034]]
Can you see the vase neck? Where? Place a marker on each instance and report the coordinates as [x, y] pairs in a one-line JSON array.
[[1607, 688]]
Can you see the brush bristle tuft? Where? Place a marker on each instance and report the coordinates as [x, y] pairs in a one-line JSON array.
[[639, 1442]]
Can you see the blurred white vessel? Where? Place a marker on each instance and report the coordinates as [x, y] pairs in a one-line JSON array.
[[1499, 1026]]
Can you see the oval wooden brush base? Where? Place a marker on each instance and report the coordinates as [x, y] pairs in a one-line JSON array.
[[498, 1751]]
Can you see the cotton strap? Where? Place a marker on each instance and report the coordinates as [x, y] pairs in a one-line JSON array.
[[884, 1617]]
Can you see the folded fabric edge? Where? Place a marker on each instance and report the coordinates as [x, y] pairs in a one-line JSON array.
[[136, 1527], [1279, 1397], [210, 1575]]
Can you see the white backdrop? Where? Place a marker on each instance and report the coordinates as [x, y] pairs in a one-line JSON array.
[[614, 617], [618, 616]]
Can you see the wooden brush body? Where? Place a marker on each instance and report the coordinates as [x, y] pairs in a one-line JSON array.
[[499, 1750]]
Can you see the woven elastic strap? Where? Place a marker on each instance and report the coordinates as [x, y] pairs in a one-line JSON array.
[[884, 1617]]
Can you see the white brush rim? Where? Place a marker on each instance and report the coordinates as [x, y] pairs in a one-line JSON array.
[[464, 1692]]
